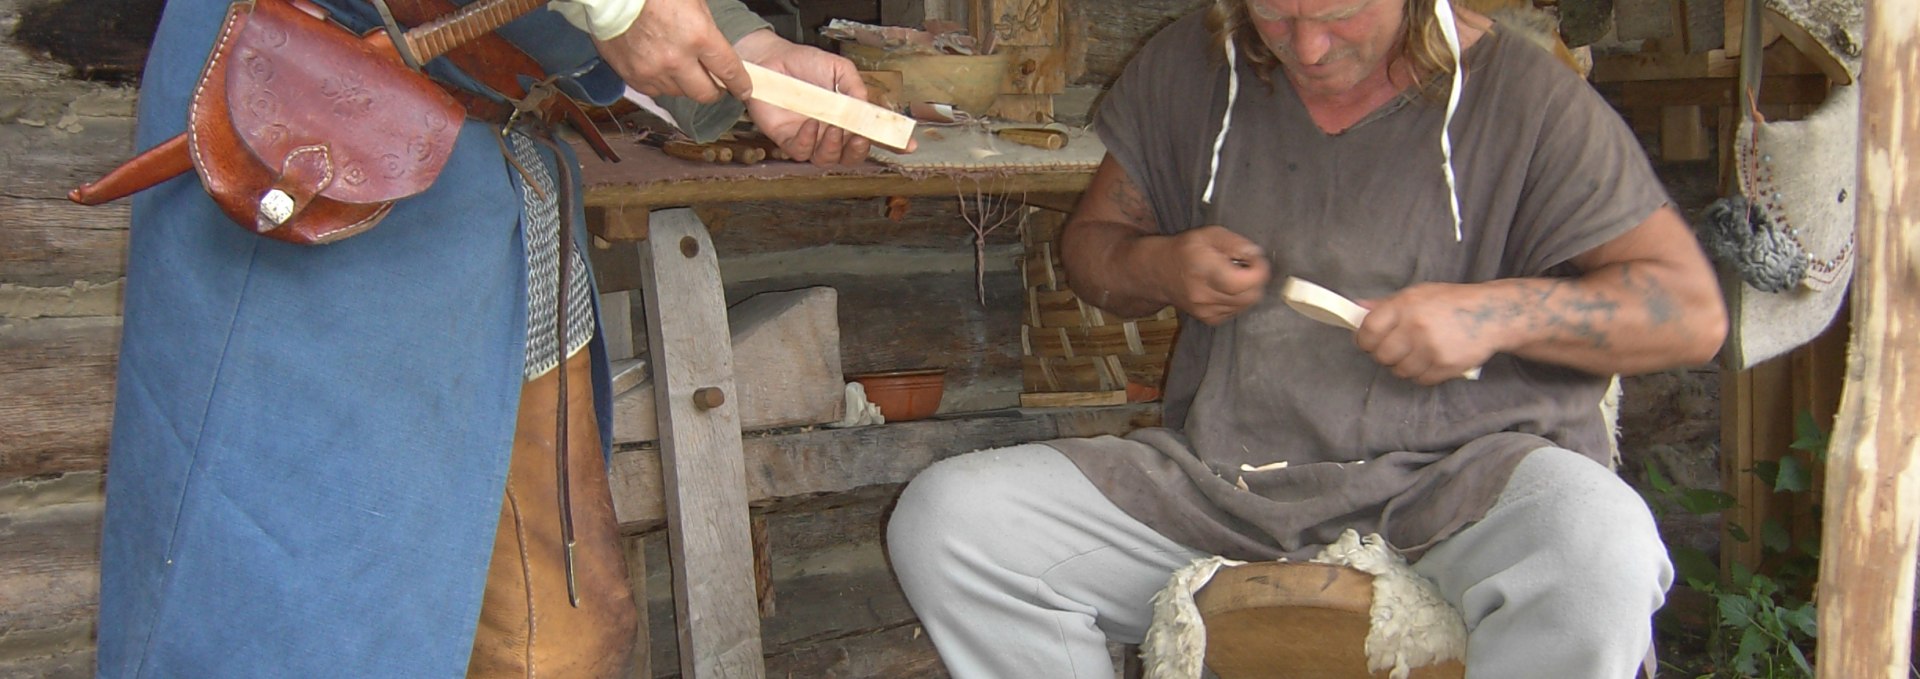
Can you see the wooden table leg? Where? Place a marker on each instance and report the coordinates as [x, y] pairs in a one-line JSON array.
[[701, 459]]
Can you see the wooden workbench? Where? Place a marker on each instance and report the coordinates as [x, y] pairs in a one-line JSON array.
[[620, 195]]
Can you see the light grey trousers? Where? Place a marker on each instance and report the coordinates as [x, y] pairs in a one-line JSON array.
[[1019, 568]]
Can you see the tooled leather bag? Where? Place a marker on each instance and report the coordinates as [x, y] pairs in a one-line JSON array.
[[305, 133]]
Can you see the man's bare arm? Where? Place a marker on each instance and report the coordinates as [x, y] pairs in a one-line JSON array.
[[1117, 259], [1647, 300]]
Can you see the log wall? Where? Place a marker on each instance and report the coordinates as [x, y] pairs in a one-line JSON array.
[[68, 70]]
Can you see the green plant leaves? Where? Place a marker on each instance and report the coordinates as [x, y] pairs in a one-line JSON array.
[[1793, 476]]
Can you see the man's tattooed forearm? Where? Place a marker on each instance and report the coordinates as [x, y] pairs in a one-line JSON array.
[[1126, 197]]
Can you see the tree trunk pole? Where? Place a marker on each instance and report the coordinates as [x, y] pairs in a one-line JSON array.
[[1873, 471]]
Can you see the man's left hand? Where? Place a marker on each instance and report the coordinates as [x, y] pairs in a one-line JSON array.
[[1429, 333], [801, 137]]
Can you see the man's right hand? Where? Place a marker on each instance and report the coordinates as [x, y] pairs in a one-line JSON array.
[[1210, 273], [671, 49]]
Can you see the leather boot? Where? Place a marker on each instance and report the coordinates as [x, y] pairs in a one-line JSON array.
[[528, 628]]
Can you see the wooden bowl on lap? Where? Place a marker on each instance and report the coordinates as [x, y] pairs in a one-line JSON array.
[[1273, 620]]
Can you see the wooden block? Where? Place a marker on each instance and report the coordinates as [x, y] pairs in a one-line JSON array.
[[616, 324], [701, 458], [618, 223], [1643, 19], [885, 89], [1706, 25], [787, 349], [1071, 399]]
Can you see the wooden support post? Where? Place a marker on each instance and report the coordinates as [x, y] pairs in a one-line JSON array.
[[641, 666], [701, 458], [1873, 469]]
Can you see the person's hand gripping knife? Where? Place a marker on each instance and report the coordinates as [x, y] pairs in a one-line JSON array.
[[1118, 259], [672, 48]]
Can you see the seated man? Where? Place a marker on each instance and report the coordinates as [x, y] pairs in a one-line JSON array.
[[1563, 263]]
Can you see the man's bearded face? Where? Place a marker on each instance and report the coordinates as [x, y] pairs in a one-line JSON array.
[[1328, 47]]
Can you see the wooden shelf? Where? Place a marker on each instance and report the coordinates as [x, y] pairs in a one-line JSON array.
[[800, 464]]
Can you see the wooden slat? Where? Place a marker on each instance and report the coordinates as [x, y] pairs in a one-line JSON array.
[[49, 578], [58, 406], [45, 161], [49, 243], [641, 666], [1871, 517], [705, 495], [817, 462], [1790, 89]]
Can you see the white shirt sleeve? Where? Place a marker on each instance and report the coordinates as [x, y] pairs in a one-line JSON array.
[[603, 18]]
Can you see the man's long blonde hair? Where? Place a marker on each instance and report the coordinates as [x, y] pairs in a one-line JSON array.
[[1422, 44]]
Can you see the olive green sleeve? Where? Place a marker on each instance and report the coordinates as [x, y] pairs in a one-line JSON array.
[[705, 122]]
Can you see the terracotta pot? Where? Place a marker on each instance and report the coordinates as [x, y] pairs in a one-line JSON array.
[[904, 395]]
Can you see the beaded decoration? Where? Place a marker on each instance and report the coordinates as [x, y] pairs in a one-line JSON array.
[[1764, 196]]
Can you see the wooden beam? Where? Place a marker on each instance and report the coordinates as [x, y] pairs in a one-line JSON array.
[[816, 462], [1786, 89], [1872, 512], [703, 472]]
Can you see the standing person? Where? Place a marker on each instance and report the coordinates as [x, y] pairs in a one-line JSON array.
[[311, 443], [1263, 139]]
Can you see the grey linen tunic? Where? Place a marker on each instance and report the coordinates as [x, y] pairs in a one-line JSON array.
[[1546, 171]]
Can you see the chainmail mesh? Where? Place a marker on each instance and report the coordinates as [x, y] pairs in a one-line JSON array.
[[540, 229]]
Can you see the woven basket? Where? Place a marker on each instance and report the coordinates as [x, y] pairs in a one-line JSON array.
[[1068, 345]]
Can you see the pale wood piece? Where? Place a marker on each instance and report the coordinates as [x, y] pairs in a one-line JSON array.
[[1293, 620], [1070, 399], [817, 462], [827, 106], [1321, 304], [1331, 308], [703, 468], [628, 374], [786, 347], [1873, 481]]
